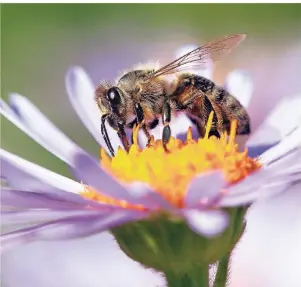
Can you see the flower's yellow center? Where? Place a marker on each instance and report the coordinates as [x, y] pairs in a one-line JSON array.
[[170, 173]]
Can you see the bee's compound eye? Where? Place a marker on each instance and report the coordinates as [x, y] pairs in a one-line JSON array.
[[114, 96]]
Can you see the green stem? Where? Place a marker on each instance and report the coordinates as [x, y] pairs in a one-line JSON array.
[[222, 272], [197, 277]]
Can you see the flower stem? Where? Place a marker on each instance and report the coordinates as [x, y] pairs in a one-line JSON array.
[[222, 272], [198, 277]]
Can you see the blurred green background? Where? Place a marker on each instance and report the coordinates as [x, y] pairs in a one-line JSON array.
[[40, 41]]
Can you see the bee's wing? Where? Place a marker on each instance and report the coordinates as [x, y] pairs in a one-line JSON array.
[[200, 56]]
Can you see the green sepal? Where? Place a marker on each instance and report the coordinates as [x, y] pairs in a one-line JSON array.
[[168, 245]]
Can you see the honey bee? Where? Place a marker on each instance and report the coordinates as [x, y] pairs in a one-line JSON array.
[[142, 96]]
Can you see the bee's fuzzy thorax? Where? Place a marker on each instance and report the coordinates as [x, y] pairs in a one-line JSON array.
[[140, 66], [147, 66]]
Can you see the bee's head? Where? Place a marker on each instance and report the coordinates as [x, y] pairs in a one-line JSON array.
[[111, 101]]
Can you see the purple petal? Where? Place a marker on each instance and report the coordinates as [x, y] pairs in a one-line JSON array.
[[279, 123], [240, 85], [68, 228], [10, 115], [89, 171], [263, 135], [255, 151], [25, 199], [287, 167], [250, 182], [205, 187], [269, 180], [20, 171], [143, 194], [5, 109], [282, 120], [285, 163], [81, 94], [261, 192], [268, 173], [36, 123], [208, 223], [54, 199], [248, 185], [64, 228], [25, 175], [288, 144], [43, 215]]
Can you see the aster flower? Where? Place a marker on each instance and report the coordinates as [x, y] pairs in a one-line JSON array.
[[146, 198]]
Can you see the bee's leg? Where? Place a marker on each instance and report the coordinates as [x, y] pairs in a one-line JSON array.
[[166, 117], [131, 126], [122, 135], [141, 122], [215, 133], [153, 124], [200, 127], [202, 122], [105, 135], [150, 125]]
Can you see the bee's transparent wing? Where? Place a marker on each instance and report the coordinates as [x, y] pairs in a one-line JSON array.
[[212, 51]]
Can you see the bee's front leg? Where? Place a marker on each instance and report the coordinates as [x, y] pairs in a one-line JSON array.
[[122, 135], [166, 117], [120, 132], [105, 134]]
